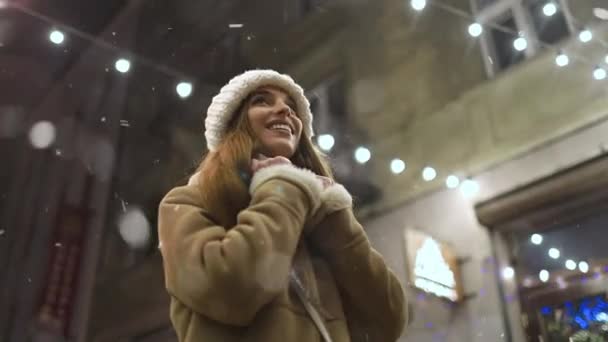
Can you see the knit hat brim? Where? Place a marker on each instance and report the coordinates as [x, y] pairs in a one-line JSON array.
[[230, 97]]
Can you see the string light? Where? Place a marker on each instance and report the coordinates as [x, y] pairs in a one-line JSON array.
[[508, 273], [122, 65], [585, 36], [326, 142], [520, 44], [475, 29], [397, 166], [362, 155], [554, 253], [570, 264], [56, 37], [469, 188], [549, 9], [418, 5], [452, 182], [544, 276], [184, 89], [599, 73], [562, 59], [536, 239], [583, 266], [429, 173]]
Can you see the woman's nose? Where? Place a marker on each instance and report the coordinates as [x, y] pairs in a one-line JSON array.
[[283, 108]]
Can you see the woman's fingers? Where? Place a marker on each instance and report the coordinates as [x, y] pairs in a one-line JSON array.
[[257, 164], [326, 181]]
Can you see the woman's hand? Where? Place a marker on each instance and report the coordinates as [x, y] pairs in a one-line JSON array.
[[326, 181], [262, 161]]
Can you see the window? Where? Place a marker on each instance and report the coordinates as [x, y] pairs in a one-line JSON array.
[[504, 53], [550, 29], [507, 20]]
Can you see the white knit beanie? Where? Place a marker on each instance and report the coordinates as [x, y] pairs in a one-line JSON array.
[[224, 104]]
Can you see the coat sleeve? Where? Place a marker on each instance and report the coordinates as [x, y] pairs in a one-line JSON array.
[[228, 273], [373, 298]]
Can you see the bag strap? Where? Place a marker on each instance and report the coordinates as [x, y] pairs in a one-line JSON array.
[[312, 311]]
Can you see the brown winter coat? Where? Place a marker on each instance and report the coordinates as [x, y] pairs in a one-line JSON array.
[[231, 283]]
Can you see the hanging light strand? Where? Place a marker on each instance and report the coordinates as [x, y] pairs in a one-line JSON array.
[[98, 42], [465, 15]]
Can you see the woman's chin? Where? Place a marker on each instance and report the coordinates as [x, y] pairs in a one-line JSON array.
[[279, 148]]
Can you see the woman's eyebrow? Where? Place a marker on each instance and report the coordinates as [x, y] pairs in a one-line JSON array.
[[290, 101], [260, 92]]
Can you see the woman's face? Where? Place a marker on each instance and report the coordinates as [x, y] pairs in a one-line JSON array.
[[274, 121]]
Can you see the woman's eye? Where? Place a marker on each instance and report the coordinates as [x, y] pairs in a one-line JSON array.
[[259, 100]]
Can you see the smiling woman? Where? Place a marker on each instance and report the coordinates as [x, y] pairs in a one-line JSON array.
[[245, 244], [274, 121]]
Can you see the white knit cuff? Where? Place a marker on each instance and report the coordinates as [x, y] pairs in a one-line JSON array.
[[307, 180]]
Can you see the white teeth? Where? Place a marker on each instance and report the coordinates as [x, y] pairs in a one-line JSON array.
[[281, 126]]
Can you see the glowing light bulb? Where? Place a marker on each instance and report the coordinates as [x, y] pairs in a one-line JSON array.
[[469, 188], [362, 155], [56, 37], [428, 174], [418, 5], [520, 44], [184, 89], [326, 142], [544, 276], [508, 273], [397, 166], [599, 73], [562, 60], [452, 182], [585, 36], [554, 253], [475, 30], [570, 264], [549, 9], [536, 239], [122, 65]]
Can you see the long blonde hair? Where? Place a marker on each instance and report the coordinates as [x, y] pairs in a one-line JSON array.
[[223, 175]]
